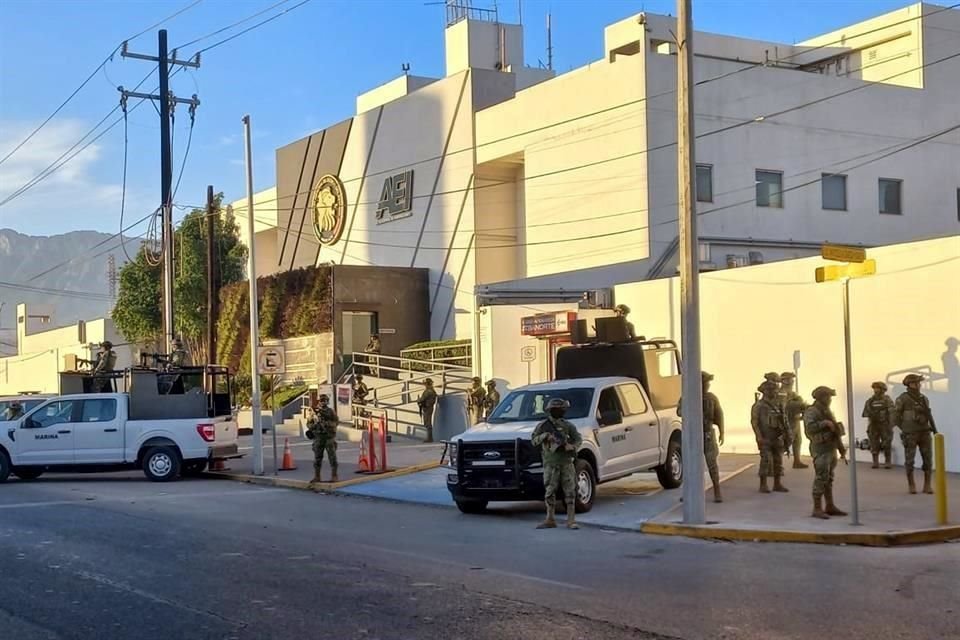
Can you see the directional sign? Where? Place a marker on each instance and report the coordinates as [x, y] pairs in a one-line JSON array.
[[528, 353], [272, 360], [841, 271], [841, 253]]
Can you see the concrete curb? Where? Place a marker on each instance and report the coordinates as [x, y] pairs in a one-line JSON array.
[[330, 487], [890, 539]]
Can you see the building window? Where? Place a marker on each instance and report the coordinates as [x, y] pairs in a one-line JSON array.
[[891, 196], [833, 191], [704, 183], [770, 189]]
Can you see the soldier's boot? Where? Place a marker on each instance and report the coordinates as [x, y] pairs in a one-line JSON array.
[[550, 522], [778, 485], [333, 475], [429, 437], [927, 487], [876, 461], [763, 485], [316, 475], [910, 482], [715, 479], [886, 459], [818, 508], [572, 516], [831, 509]]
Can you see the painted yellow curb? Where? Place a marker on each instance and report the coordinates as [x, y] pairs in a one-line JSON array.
[[290, 483], [892, 539]]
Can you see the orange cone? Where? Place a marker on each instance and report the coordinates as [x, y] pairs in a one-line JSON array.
[[363, 463], [287, 464], [217, 465]]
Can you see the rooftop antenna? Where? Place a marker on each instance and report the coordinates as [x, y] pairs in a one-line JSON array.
[[406, 68], [549, 42], [520, 12]]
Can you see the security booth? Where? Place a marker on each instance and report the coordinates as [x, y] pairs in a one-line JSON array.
[[160, 394]]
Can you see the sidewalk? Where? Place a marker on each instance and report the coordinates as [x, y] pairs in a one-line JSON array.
[[403, 457], [888, 514]]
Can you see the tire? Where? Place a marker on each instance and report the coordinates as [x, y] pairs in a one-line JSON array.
[[161, 464], [670, 473], [28, 473], [194, 468], [4, 466], [472, 506], [586, 481]]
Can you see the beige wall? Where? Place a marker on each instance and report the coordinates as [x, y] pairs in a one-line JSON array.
[[264, 227], [41, 357], [755, 319]]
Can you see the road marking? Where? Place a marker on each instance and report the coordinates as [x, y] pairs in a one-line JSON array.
[[136, 498]]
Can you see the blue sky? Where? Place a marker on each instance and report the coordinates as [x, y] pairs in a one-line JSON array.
[[295, 75]]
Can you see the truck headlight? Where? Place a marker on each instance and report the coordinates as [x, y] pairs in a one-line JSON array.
[[452, 455]]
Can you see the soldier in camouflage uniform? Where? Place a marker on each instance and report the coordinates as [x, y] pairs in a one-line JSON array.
[[426, 403], [879, 412], [826, 440], [105, 363], [912, 414], [475, 399], [558, 441], [14, 411], [491, 400], [322, 429], [769, 429], [793, 407], [712, 415], [178, 357]]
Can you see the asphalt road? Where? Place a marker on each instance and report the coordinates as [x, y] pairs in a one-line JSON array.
[[117, 557]]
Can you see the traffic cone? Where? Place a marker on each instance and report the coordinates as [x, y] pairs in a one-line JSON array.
[[218, 465], [287, 464]]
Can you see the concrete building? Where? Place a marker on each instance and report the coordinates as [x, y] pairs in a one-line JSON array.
[[510, 183], [43, 349]]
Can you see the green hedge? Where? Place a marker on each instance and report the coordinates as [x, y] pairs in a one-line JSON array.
[[442, 349], [291, 304]]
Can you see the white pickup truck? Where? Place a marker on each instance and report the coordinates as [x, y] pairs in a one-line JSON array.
[[628, 422], [94, 432]]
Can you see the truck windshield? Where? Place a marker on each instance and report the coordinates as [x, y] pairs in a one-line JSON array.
[[528, 404]]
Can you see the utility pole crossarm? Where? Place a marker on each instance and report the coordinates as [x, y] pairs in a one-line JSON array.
[[194, 62], [193, 101]]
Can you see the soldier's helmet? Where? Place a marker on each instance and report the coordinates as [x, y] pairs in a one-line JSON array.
[[106, 344], [324, 398], [772, 376], [787, 376], [359, 377], [558, 403], [491, 383], [16, 405], [706, 377], [428, 382], [879, 385], [768, 385], [476, 380], [912, 378], [823, 392], [622, 309], [177, 343]]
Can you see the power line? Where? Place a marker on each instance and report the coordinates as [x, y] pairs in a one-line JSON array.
[[231, 26], [252, 27], [68, 293], [102, 65]]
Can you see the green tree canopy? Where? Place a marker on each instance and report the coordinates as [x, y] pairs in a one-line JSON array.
[[137, 312]]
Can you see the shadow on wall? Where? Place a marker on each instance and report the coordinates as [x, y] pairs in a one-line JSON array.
[[941, 387]]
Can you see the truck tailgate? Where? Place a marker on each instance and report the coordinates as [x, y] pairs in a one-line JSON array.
[[225, 438]]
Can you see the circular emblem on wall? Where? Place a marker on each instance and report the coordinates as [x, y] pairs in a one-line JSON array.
[[329, 209]]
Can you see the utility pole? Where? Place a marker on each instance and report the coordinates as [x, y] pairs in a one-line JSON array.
[[694, 508], [166, 99], [254, 313], [213, 310]]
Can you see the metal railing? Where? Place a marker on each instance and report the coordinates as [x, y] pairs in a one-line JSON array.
[[425, 358]]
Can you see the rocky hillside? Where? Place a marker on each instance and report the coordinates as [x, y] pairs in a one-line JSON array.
[[23, 256]]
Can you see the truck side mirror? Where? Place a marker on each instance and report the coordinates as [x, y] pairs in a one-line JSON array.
[[610, 418]]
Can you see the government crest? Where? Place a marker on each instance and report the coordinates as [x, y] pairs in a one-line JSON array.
[[329, 209]]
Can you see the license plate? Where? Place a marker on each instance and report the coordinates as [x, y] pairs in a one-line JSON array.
[[489, 463]]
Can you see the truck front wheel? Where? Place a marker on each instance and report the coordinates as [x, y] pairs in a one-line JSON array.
[[670, 473], [472, 506], [586, 484], [161, 464], [28, 473]]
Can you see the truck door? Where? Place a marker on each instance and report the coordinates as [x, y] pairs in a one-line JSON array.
[[98, 435], [611, 433], [641, 426], [46, 435]]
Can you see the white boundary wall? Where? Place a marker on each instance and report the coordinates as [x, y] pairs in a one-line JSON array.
[[756, 319]]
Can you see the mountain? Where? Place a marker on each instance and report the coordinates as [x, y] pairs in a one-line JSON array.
[[77, 286]]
